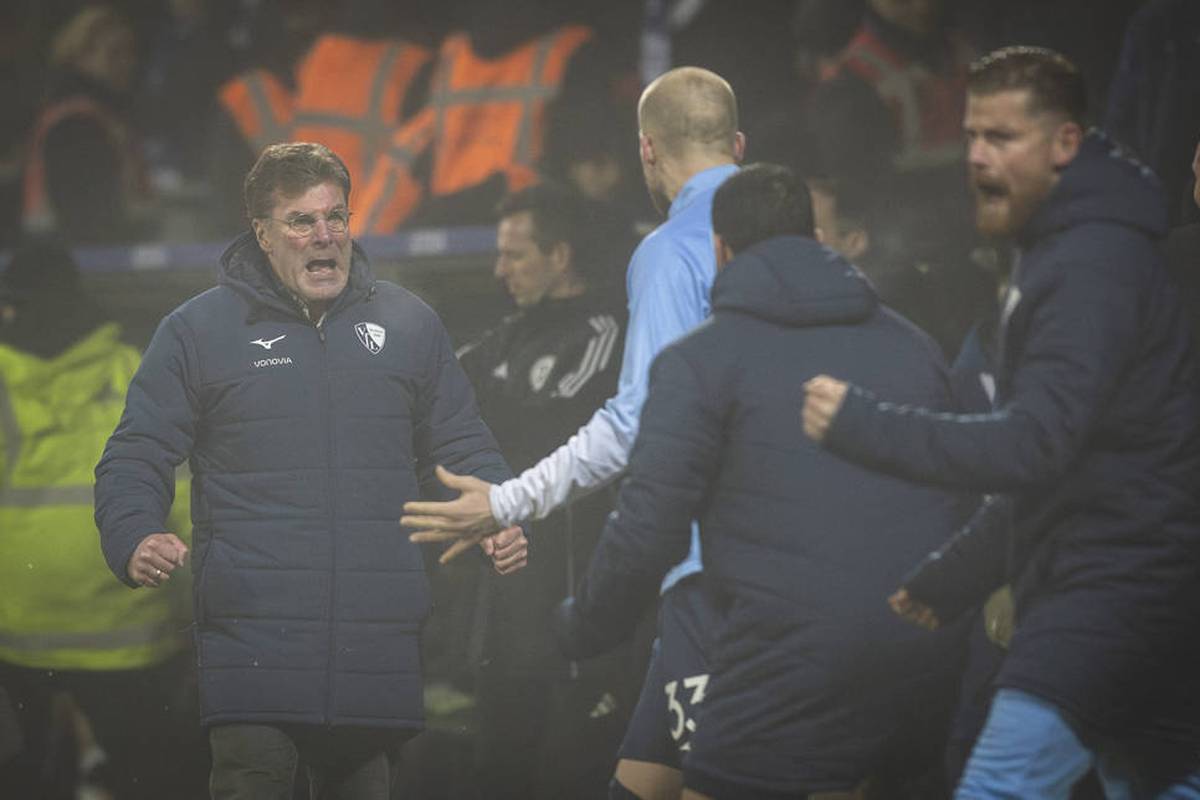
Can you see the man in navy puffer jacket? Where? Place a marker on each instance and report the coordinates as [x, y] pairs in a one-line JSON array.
[[812, 685], [311, 402], [1094, 447]]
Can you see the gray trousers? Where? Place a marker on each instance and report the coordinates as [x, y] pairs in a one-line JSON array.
[[261, 762]]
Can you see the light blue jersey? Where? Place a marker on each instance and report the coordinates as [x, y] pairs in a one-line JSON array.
[[668, 284]]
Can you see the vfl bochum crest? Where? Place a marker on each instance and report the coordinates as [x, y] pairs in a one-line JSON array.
[[371, 336]]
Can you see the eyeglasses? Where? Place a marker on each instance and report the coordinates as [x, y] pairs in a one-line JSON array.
[[302, 226]]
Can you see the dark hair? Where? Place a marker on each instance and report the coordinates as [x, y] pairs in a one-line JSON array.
[[1054, 83], [900, 230], [760, 202], [559, 215], [290, 170]]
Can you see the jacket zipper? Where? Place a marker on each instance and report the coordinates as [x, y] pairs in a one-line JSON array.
[[330, 463]]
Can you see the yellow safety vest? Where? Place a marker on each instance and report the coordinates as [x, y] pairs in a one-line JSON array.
[[60, 605]]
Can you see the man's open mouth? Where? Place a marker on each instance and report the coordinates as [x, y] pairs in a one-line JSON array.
[[990, 191], [319, 264]]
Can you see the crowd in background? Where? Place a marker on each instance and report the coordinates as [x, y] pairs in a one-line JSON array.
[[135, 121], [160, 68]]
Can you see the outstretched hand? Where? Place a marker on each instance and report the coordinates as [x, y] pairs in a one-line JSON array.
[[913, 611], [465, 521]]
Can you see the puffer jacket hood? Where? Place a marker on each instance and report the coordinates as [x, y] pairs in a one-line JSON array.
[[245, 269], [794, 281], [1102, 184]]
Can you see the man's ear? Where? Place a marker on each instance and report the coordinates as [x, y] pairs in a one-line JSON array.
[[646, 149], [260, 234], [1067, 140], [739, 147], [560, 257]]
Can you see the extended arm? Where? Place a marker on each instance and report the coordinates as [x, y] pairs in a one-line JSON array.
[[450, 437], [664, 304]]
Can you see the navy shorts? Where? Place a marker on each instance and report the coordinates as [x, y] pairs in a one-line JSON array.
[[676, 678]]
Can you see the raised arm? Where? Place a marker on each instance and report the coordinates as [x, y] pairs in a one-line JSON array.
[[1079, 340]]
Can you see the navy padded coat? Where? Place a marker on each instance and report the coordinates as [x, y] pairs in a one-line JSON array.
[[813, 680], [1095, 443], [304, 443]]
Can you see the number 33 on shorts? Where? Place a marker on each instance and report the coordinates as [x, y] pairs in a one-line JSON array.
[[681, 706]]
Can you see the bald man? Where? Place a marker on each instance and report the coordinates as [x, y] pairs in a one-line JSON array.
[[689, 144]]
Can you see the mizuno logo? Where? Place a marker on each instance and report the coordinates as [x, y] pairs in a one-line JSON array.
[[265, 344]]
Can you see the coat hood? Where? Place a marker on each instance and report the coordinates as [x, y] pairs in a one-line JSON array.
[[1102, 184], [794, 281], [245, 269]]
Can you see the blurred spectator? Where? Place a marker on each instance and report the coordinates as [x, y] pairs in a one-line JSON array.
[[256, 105], [898, 94], [65, 626], [593, 118], [920, 267], [256, 111], [188, 57], [548, 728], [85, 175], [755, 52], [822, 30], [584, 153], [1154, 102], [587, 149], [281, 31], [1183, 256], [359, 81], [481, 134], [19, 79], [1087, 32]]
